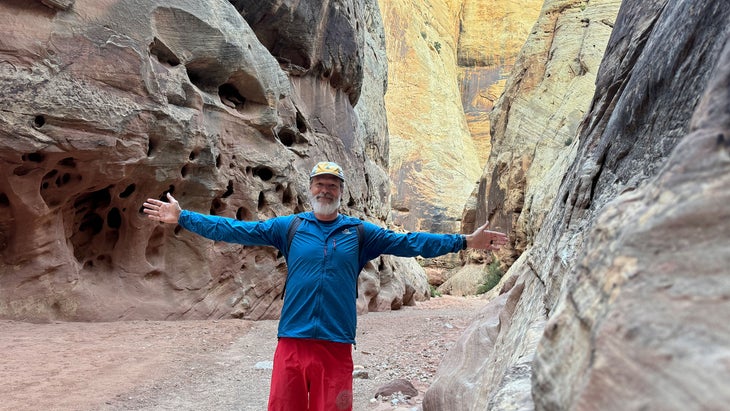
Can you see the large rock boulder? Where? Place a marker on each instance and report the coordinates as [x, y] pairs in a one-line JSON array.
[[108, 103], [620, 294]]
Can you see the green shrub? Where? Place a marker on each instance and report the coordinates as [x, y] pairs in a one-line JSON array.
[[494, 274], [435, 292]]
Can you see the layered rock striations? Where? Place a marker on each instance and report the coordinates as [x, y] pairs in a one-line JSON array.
[[108, 103], [641, 301], [615, 305], [536, 119]]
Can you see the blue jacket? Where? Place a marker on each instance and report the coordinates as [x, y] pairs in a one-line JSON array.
[[321, 289]]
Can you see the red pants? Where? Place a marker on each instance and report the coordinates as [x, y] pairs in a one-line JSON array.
[[311, 375]]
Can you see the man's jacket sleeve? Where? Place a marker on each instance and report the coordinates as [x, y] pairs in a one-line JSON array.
[[235, 231], [381, 241]]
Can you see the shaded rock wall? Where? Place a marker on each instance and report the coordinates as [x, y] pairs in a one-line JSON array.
[[648, 279], [616, 304], [324, 39], [108, 103]]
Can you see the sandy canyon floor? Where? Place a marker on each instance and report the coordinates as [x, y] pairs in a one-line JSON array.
[[210, 365]]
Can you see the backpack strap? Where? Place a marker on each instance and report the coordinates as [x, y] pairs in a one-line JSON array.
[[360, 240], [360, 246], [293, 226]]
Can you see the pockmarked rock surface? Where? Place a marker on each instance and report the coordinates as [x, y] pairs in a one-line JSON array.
[[106, 104], [616, 303]]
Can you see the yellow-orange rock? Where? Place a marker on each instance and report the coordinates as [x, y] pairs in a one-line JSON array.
[[443, 79], [491, 36]]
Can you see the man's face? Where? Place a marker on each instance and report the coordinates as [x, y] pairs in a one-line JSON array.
[[325, 193]]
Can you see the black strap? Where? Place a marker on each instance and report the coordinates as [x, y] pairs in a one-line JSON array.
[[293, 226], [360, 240], [292, 230]]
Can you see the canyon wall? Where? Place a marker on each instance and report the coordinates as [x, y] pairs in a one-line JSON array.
[[533, 126], [616, 302], [108, 103], [447, 61], [491, 35], [612, 180]]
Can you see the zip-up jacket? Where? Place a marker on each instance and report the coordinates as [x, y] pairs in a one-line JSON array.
[[323, 266]]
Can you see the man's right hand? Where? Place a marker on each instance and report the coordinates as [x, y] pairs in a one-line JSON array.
[[161, 211], [485, 239]]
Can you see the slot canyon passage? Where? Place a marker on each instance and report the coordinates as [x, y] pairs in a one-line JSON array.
[[594, 132]]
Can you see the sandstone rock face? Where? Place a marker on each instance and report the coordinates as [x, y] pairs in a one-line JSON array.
[[622, 289], [642, 299], [108, 103], [535, 121], [333, 50], [447, 64], [433, 158], [491, 34]]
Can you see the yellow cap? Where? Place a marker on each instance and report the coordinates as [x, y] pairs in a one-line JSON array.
[[327, 167]]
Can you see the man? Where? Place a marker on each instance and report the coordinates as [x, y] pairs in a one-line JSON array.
[[313, 358]]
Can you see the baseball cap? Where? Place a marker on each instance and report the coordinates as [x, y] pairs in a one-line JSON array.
[[327, 167]]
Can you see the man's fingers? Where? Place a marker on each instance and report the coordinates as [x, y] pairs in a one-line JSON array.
[[496, 239], [495, 234], [158, 203]]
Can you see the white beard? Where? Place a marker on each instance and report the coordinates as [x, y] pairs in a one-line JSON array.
[[324, 208]]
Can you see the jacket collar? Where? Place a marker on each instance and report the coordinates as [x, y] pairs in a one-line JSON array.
[[341, 220]]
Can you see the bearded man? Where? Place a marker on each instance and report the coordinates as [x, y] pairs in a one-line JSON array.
[[325, 252]]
